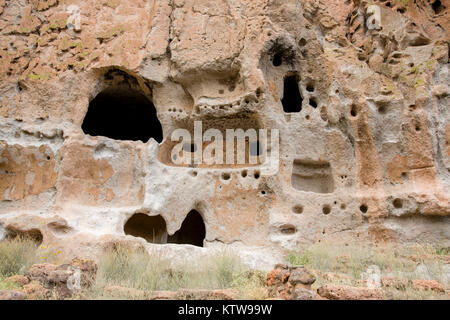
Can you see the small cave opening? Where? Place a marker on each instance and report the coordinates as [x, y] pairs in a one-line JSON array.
[[151, 228], [192, 231], [437, 6], [122, 114], [34, 235], [292, 99], [277, 59]]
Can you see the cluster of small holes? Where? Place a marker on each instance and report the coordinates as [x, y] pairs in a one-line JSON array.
[[244, 174], [326, 209], [224, 107], [175, 110], [230, 106]]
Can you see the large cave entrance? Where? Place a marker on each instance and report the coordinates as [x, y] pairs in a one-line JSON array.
[[152, 229], [192, 231], [122, 114]]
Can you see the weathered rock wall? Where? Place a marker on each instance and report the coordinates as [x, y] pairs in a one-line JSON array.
[[364, 145]]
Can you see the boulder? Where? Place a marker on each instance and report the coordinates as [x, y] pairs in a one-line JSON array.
[[341, 292], [11, 295], [66, 278], [304, 294], [35, 291], [18, 279], [290, 283], [428, 285]]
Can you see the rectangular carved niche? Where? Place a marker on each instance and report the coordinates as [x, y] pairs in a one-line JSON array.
[[312, 176]]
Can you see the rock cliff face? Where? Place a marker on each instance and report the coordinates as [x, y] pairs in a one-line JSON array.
[[91, 92]]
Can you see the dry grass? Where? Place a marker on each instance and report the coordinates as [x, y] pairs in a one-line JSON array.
[[350, 260], [17, 255], [144, 272], [140, 270]]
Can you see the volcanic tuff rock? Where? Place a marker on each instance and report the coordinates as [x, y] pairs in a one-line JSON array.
[[91, 91]]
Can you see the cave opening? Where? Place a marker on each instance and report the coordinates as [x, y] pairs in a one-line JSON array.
[[437, 7], [151, 228], [34, 235], [292, 99], [122, 114], [192, 231]]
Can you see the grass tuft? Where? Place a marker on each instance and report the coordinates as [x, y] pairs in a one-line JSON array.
[[17, 255]]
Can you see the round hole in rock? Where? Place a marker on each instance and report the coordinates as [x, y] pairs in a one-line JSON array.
[[151, 228], [343, 206], [277, 59], [257, 174], [244, 174], [310, 87], [363, 208], [122, 114], [298, 209], [398, 203], [226, 176], [382, 109], [192, 231], [302, 42], [326, 209]]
